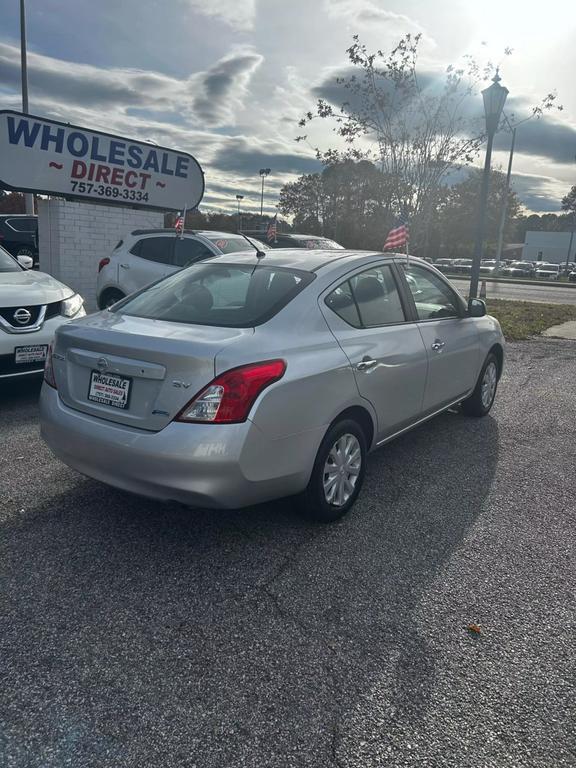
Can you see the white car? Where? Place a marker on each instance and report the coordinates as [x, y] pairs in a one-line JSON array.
[[32, 306], [146, 255], [548, 271]]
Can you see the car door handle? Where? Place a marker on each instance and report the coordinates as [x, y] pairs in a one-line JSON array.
[[125, 266], [438, 345], [366, 364]]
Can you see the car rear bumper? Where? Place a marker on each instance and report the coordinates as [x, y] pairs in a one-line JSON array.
[[203, 465]]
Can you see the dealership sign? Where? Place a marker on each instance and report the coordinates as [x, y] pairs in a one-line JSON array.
[[38, 155]]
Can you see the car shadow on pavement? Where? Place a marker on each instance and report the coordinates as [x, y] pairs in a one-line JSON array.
[[131, 627]]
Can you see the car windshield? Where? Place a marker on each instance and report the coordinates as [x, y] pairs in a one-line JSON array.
[[225, 295], [523, 264], [234, 243], [7, 263]]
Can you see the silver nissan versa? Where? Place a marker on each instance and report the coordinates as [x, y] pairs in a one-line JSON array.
[[241, 379]]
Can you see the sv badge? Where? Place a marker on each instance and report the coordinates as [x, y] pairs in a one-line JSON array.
[[180, 384]]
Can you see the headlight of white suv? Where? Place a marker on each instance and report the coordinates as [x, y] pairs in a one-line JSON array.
[[71, 306]]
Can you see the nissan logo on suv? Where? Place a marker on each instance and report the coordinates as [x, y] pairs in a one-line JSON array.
[[22, 316]]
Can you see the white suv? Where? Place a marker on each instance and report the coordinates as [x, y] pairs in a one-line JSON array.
[[146, 255], [32, 306]]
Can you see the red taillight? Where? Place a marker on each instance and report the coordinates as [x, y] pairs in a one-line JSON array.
[[102, 263], [229, 398], [49, 377]]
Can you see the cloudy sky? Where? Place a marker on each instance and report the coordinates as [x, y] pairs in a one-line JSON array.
[[227, 80]]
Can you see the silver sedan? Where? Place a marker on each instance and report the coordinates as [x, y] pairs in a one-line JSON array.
[[244, 379]]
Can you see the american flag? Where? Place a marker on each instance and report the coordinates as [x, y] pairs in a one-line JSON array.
[[398, 235], [272, 230], [179, 223]]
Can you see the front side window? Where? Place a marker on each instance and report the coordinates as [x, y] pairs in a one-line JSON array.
[[433, 298], [368, 299], [225, 295], [158, 249]]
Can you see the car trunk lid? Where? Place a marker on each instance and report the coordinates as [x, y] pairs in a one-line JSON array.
[[135, 371]]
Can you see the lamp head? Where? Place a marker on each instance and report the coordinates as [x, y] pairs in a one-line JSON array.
[[494, 99]]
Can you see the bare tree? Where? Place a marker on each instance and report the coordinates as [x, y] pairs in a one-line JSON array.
[[415, 127]]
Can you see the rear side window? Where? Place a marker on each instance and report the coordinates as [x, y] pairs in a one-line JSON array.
[[23, 225], [369, 299], [159, 249], [225, 295], [187, 250], [341, 301]]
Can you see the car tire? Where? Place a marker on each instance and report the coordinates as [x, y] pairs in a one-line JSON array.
[[482, 399], [109, 297], [330, 495], [24, 251]]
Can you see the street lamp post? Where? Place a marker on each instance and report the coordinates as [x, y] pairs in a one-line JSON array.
[[494, 97], [28, 198], [263, 173], [505, 203], [238, 198]]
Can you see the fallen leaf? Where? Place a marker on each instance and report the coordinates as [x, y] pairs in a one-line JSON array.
[[474, 628]]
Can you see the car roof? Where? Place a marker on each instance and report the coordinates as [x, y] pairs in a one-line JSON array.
[[172, 231], [308, 260]]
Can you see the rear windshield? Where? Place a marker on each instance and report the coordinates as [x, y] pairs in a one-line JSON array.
[[319, 243], [225, 295], [234, 244], [7, 263]]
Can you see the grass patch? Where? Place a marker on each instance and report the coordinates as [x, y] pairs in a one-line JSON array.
[[522, 319]]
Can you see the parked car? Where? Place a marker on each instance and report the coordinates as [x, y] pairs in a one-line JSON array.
[[294, 240], [489, 267], [237, 380], [547, 271], [565, 269], [19, 235], [32, 306], [519, 269], [572, 276], [444, 265], [462, 266], [146, 255]]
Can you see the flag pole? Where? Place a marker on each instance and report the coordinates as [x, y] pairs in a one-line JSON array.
[[183, 222]]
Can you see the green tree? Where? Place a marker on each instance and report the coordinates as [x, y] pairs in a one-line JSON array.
[[459, 214], [569, 201], [11, 202], [349, 201]]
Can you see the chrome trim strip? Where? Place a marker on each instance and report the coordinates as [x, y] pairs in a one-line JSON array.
[[6, 326], [36, 371], [421, 421]]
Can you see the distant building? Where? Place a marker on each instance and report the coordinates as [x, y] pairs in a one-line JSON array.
[[549, 246]]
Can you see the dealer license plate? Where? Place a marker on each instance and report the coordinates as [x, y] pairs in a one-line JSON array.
[[33, 353], [109, 389]]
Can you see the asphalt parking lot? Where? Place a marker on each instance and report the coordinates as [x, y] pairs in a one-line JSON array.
[[136, 634]]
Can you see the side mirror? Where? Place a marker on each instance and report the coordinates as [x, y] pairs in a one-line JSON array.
[[476, 308], [25, 261]]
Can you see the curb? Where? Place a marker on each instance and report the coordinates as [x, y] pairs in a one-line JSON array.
[[512, 281]]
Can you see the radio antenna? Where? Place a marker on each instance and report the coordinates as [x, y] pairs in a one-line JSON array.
[[259, 254]]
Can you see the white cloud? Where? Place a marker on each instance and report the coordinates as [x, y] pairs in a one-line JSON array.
[[239, 14], [211, 97], [367, 13]]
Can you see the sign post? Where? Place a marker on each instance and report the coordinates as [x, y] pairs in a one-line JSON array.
[[53, 158]]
